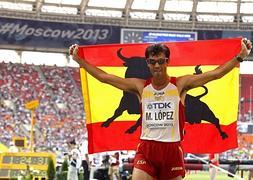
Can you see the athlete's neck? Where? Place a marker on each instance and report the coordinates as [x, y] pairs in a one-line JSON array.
[[160, 82]]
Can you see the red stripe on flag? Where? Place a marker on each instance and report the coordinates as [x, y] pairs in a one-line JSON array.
[[182, 53], [198, 136], [114, 137]]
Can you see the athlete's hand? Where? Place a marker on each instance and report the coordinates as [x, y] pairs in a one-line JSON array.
[[246, 48], [73, 50]]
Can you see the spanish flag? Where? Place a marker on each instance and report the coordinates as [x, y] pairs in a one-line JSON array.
[[211, 110]]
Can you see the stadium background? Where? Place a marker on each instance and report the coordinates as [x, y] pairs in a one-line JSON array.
[[34, 64]]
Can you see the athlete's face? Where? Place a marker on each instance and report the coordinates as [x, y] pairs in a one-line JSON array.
[[158, 65]]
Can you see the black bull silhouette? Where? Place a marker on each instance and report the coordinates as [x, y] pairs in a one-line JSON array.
[[195, 110]]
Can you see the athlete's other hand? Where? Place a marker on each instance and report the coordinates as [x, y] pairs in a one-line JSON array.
[[246, 48], [73, 50]]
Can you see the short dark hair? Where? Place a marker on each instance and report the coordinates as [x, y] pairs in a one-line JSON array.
[[156, 49]]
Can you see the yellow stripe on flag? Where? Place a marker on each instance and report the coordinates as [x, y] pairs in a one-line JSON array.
[[222, 97]]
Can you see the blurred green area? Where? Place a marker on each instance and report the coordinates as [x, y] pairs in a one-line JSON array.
[[204, 175]]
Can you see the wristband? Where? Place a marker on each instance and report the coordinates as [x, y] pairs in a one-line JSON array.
[[238, 58]]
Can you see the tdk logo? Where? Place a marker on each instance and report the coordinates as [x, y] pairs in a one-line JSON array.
[[159, 105]]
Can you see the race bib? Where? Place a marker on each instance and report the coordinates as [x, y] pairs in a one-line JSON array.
[[159, 114]]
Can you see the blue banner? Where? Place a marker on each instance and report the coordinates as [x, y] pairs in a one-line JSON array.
[[236, 34], [168, 36], [218, 34], [155, 36], [209, 34], [41, 34]]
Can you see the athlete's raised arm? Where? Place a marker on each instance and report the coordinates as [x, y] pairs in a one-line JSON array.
[[192, 81], [133, 85]]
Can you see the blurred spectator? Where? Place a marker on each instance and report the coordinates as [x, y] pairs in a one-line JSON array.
[[114, 166], [59, 159], [85, 159], [214, 160], [74, 161], [13, 148]]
